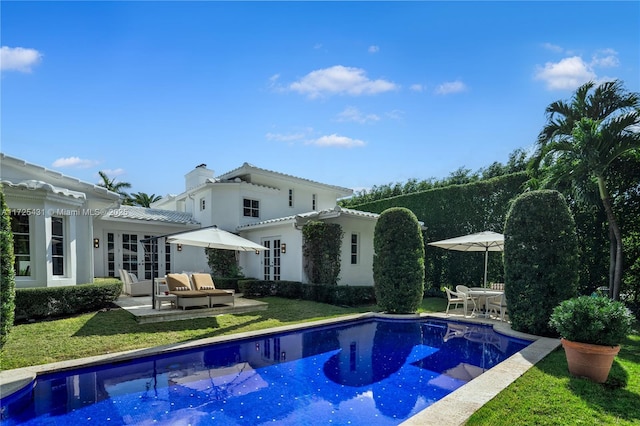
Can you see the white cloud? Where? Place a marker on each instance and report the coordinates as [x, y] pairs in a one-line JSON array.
[[552, 47], [337, 140], [374, 49], [340, 80], [75, 162], [451, 87], [284, 137], [416, 87], [569, 73], [606, 58], [396, 114], [18, 58], [354, 114]]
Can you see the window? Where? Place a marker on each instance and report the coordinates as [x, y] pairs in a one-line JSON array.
[[21, 244], [291, 198], [313, 202], [251, 208], [354, 249], [202, 204], [57, 245]]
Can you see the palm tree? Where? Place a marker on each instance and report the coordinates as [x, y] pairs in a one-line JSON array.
[[580, 141], [143, 199], [118, 188]]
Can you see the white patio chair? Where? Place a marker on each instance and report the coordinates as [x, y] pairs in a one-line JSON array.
[[456, 298], [464, 290], [497, 305]]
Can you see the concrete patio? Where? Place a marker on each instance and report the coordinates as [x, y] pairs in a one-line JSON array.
[[141, 308]]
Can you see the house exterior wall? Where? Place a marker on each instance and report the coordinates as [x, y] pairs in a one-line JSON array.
[[360, 273], [43, 195], [188, 259], [290, 262], [292, 267]]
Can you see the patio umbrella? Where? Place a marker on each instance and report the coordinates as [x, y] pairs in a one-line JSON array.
[[212, 237], [208, 237], [482, 241]]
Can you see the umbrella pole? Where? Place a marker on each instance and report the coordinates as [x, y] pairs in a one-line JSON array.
[[153, 273], [486, 260]]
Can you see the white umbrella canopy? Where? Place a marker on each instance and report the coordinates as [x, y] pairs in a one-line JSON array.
[[213, 237], [482, 241]]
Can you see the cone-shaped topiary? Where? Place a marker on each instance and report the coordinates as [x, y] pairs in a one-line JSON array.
[[540, 259], [7, 273], [398, 262]]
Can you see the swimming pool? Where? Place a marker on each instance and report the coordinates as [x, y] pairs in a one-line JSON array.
[[369, 371]]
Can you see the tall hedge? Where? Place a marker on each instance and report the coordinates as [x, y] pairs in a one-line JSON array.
[[398, 262], [7, 273], [540, 259], [322, 250], [459, 210]]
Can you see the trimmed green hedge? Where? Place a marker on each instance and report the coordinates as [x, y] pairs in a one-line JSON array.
[[398, 262], [46, 302], [226, 283], [458, 210], [540, 259], [341, 295]]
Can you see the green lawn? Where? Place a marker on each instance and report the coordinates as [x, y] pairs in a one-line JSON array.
[[545, 395]]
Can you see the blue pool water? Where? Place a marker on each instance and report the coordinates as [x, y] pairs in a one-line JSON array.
[[372, 372]]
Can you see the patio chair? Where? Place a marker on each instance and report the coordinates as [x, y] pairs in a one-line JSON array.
[[134, 287], [464, 291], [179, 285], [456, 298], [204, 283], [497, 305]]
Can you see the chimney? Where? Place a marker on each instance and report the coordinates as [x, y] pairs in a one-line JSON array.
[[197, 176]]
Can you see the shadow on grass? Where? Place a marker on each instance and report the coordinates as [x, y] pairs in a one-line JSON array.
[[611, 397], [279, 312]]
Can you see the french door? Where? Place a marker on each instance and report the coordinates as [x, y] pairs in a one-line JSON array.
[[271, 259], [127, 251]]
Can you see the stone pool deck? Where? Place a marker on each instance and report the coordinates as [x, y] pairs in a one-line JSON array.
[[454, 409]]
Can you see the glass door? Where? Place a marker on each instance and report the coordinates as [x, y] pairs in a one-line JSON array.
[[271, 259]]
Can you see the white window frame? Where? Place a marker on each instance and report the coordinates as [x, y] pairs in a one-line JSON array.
[[251, 208], [354, 250], [63, 245], [28, 257]]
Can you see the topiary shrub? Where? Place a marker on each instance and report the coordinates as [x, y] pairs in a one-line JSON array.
[[592, 319], [398, 262], [540, 259], [7, 273], [321, 250]]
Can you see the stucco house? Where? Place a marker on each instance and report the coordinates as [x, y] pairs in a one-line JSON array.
[[68, 231], [270, 208]]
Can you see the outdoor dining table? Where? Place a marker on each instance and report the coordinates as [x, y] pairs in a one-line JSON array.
[[481, 294]]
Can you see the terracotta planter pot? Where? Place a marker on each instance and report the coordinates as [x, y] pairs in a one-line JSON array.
[[590, 361]]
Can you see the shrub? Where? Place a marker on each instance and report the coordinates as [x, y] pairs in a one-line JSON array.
[[592, 319], [321, 250], [7, 273], [44, 302], [540, 259], [398, 262], [341, 295], [223, 262]]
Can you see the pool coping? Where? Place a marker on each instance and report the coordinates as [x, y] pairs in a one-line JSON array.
[[453, 409]]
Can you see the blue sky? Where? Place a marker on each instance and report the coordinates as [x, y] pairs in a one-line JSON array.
[[351, 94]]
